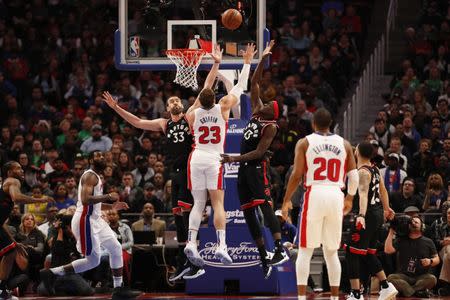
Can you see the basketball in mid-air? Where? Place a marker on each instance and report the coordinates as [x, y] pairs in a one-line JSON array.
[[231, 19]]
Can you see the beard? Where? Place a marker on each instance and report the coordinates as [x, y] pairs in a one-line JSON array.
[[99, 165], [176, 111]]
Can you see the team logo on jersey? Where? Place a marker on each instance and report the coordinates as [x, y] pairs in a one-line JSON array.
[[231, 169], [134, 48], [244, 254], [251, 131]]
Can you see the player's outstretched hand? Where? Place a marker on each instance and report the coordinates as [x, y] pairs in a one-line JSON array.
[[348, 204], [108, 98], [285, 209], [268, 50], [217, 54], [48, 199], [226, 158], [389, 214], [249, 53], [114, 196], [120, 205]]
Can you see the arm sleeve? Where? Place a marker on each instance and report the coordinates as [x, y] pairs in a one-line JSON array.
[[238, 89]]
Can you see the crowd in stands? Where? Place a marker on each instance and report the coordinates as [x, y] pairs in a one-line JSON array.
[[57, 59], [411, 134]]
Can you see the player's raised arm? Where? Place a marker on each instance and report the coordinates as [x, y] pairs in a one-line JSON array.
[[13, 186], [297, 174], [88, 182], [268, 135], [217, 56], [151, 125], [256, 79], [233, 97]]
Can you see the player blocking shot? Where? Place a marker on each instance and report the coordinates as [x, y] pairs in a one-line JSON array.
[[322, 161], [10, 194], [208, 121], [92, 232], [179, 146], [253, 184], [373, 208]]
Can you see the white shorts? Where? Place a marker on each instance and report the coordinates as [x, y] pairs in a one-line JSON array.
[[321, 216], [205, 172], [90, 233]]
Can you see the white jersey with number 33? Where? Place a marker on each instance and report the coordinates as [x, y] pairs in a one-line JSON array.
[[326, 160], [209, 129]]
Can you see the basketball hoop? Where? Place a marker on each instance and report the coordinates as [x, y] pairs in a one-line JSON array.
[[187, 62]]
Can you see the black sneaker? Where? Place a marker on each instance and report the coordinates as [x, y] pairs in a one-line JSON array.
[[124, 293], [443, 292], [7, 295], [279, 257], [180, 271], [423, 294], [267, 270], [48, 279], [194, 272]]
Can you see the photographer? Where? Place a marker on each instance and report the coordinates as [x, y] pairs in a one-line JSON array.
[[417, 255], [442, 240], [63, 250]]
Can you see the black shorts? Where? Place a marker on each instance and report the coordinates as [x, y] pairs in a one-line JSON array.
[[253, 185], [364, 241], [181, 196], [6, 243]]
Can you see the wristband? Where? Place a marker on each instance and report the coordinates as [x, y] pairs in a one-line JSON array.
[[361, 215]]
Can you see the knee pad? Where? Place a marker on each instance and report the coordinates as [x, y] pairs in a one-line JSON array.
[[196, 214], [374, 263], [352, 262], [333, 266], [87, 263], [115, 253], [302, 265], [252, 223]]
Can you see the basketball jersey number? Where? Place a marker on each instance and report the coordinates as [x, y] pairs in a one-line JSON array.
[[205, 138], [332, 168]]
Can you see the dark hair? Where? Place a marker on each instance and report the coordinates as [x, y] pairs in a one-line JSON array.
[[322, 118], [409, 179], [365, 149], [7, 167], [207, 98]]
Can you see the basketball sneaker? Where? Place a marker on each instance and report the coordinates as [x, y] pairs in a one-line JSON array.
[[351, 296], [194, 272], [222, 255], [48, 279], [124, 293], [7, 295], [388, 293], [279, 257], [180, 271], [192, 254]]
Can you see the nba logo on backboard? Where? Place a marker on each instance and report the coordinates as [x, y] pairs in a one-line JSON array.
[[135, 50]]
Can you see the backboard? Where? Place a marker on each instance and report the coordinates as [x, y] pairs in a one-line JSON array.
[[147, 28]]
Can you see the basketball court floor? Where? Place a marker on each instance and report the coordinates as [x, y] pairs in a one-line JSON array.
[[321, 296]]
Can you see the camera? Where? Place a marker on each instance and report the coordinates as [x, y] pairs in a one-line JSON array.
[[400, 224], [63, 220]]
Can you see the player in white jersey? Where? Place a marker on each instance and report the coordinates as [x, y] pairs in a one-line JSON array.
[[325, 160], [91, 231], [209, 123]]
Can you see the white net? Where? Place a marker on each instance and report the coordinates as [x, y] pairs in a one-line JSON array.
[[187, 62]]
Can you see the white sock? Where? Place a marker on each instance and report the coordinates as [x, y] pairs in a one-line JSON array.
[[117, 281], [58, 271], [301, 297], [221, 237], [192, 236]]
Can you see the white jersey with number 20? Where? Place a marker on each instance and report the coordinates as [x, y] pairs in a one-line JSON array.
[[326, 160]]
